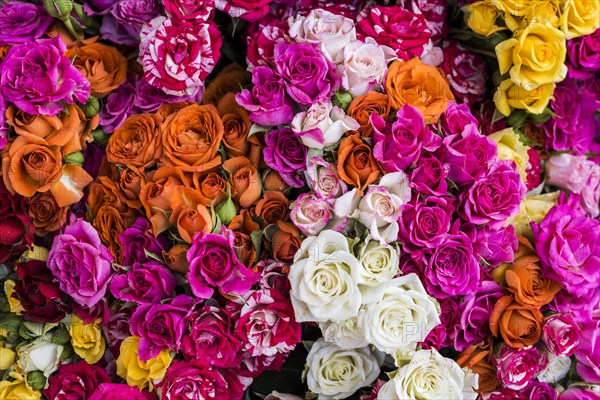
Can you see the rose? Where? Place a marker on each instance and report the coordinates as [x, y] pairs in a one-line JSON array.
[[309, 76], [356, 164], [476, 310], [322, 125], [533, 98], [143, 374], [362, 107], [25, 63], [273, 207], [40, 355], [178, 55], [519, 325], [588, 351], [109, 223], [136, 142], [479, 360], [127, 18], [160, 326], [435, 13], [568, 243], [540, 390], [402, 317], [236, 126], [45, 214], [186, 9], [364, 66], [242, 226], [556, 369], [581, 306], [119, 105], [338, 373], [328, 31], [16, 228], [579, 393], [285, 242], [524, 278], [466, 72], [190, 213], [212, 186], [267, 102], [243, 178], [576, 174], [579, 19], [482, 16], [496, 246], [480, 207], [516, 367], [261, 44], [286, 154], [425, 223], [404, 31], [3, 123], [323, 179], [211, 338], [137, 242], [441, 335], [149, 98], [116, 391], [22, 23], [428, 375], [77, 381], [378, 265], [145, 283], [456, 119], [191, 138], [310, 213], [131, 181], [87, 339], [534, 209], [214, 264], [249, 10], [535, 56], [511, 148], [348, 334], [326, 259], [266, 324], [98, 7], [429, 176], [272, 275], [583, 55], [420, 86], [18, 388]]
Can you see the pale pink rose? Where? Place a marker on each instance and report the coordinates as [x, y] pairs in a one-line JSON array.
[[322, 125]]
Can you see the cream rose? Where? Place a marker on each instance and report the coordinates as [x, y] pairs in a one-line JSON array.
[[556, 368], [336, 373], [40, 355], [430, 376], [348, 334], [322, 125], [378, 266], [402, 318], [324, 279]]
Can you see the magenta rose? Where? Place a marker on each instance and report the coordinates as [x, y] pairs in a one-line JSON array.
[[16, 227], [267, 324], [3, 123], [429, 176], [37, 77], [561, 333], [178, 55], [41, 300], [261, 44], [286, 154], [144, 283], [268, 103], [425, 223], [435, 12], [211, 338], [137, 243], [89, 315], [441, 335], [540, 391], [516, 367], [119, 106], [495, 197], [131, 15], [249, 10], [309, 76], [198, 380], [116, 328], [456, 118], [404, 31], [161, 326], [466, 72], [75, 381], [568, 244], [190, 9], [120, 391], [98, 7], [399, 145], [81, 264], [579, 393], [496, 246], [584, 56], [580, 305], [588, 351], [506, 394], [22, 22]]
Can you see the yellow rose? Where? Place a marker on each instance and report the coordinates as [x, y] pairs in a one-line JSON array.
[[535, 56], [7, 357], [511, 148], [14, 304], [517, 8], [533, 209], [536, 11], [534, 100], [87, 340], [482, 16], [580, 17], [140, 373], [18, 389]]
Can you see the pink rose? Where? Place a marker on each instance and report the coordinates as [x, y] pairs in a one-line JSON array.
[[310, 214], [189, 9], [561, 334], [324, 179], [516, 367], [249, 10]]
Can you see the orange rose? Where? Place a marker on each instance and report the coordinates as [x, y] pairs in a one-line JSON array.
[[109, 222], [243, 178], [190, 214], [171, 108], [137, 142], [419, 85], [3, 52], [69, 189], [69, 130], [273, 182], [233, 78], [191, 138], [236, 125], [131, 183], [361, 108], [519, 325], [243, 225], [273, 207], [479, 360], [525, 281], [176, 258], [157, 193], [105, 191], [212, 186], [102, 65], [356, 164], [45, 214], [285, 241]]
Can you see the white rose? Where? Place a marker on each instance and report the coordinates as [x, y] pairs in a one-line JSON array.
[[40, 355], [430, 376], [402, 318], [556, 369], [348, 334], [322, 125], [364, 66], [336, 373], [324, 279], [378, 266], [331, 32]]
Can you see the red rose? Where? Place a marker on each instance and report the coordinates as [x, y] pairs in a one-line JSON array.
[[75, 381], [16, 228]]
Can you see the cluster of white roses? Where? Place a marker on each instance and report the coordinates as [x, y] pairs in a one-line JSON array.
[[365, 313]]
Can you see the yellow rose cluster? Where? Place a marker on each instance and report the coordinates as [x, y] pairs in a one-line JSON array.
[[532, 61]]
